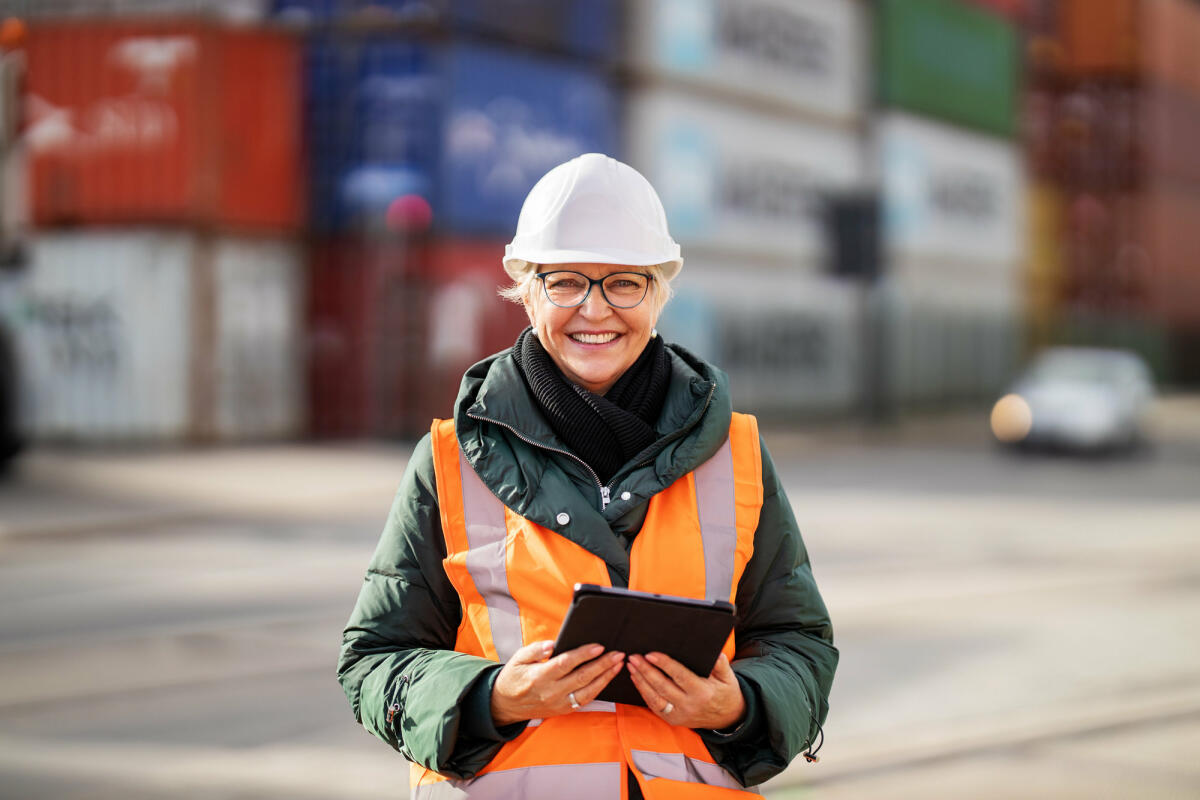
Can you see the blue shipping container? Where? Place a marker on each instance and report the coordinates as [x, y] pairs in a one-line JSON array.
[[584, 27], [466, 128]]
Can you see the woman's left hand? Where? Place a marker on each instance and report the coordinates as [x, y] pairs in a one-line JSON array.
[[681, 697]]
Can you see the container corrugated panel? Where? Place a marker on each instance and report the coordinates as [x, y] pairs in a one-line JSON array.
[[950, 194], [949, 60], [258, 305], [811, 56], [366, 319], [1114, 137], [135, 122], [393, 326], [106, 339], [583, 27], [788, 341], [464, 129], [723, 195], [949, 343], [1170, 225], [1153, 39]]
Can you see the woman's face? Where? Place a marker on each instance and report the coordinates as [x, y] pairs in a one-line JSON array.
[[593, 343]]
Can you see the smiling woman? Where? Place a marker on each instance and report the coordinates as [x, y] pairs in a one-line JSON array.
[[589, 452]]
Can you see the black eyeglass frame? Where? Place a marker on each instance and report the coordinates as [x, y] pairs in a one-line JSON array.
[[595, 282]]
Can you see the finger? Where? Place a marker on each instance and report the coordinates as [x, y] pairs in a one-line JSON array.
[[532, 653], [662, 684], [654, 701], [565, 663], [584, 675], [723, 671], [681, 675], [590, 692]]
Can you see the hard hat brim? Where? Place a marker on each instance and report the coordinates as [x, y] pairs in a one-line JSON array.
[[517, 266]]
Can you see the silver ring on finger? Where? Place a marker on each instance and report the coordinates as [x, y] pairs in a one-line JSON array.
[[574, 702], [668, 708]]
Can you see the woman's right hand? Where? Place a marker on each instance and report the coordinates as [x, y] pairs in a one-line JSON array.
[[534, 686]]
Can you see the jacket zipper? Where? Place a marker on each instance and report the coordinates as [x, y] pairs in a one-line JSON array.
[[605, 491]]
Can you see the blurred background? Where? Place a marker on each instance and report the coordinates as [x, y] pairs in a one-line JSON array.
[[945, 249]]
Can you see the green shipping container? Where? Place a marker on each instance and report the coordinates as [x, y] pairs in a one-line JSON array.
[[947, 59]]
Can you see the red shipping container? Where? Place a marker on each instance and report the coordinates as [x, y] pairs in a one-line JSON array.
[[392, 326], [1147, 39], [181, 122]]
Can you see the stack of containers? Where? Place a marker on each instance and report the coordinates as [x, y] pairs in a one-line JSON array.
[[164, 291], [953, 194], [1113, 126], [744, 114], [426, 128]]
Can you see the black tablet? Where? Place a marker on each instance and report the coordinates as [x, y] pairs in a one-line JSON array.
[[690, 631]]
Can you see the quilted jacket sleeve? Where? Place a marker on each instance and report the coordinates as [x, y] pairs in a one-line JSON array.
[[405, 683], [785, 658]]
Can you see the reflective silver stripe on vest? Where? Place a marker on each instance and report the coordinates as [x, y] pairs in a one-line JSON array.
[[718, 522], [596, 705], [584, 781], [486, 559], [678, 767]]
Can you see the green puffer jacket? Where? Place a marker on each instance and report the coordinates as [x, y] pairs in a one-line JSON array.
[[406, 684]]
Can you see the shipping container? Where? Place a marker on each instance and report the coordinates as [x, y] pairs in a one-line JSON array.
[[235, 11], [258, 358], [1045, 270], [164, 122], [1152, 40], [723, 196], [810, 56], [105, 336], [141, 335], [586, 28], [789, 341], [407, 134], [392, 326], [950, 195], [948, 60]]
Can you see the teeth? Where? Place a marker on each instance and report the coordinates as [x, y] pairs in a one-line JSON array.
[[593, 338]]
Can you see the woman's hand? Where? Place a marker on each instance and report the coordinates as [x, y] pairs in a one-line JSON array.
[[532, 687], [681, 697]]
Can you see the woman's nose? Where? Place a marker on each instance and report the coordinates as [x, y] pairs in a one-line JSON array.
[[595, 305]]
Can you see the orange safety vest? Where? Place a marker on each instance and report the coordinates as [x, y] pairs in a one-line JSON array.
[[515, 581]]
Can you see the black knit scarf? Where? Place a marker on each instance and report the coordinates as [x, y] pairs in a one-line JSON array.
[[605, 431]]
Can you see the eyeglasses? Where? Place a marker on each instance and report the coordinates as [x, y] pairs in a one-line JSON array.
[[567, 289]]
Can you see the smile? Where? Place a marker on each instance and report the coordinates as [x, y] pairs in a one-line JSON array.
[[593, 338]]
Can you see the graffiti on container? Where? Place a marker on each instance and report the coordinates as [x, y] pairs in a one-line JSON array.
[[768, 189], [145, 118], [964, 195], [777, 35], [80, 334], [783, 343]]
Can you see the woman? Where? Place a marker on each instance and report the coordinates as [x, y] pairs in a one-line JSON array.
[[588, 452]]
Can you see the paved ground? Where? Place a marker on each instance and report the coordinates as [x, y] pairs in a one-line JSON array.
[[1008, 626]]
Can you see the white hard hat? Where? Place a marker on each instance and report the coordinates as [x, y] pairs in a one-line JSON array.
[[592, 209]]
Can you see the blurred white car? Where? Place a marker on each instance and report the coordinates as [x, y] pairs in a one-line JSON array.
[[1077, 398]]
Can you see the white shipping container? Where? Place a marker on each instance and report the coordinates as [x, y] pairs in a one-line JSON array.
[[738, 181], [259, 355], [105, 337], [805, 54], [119, 341], [949, 194], [789, 341]]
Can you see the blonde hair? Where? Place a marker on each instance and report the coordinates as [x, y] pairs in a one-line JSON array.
[[521, 291]]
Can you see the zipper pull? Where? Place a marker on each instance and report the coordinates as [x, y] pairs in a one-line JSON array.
[[604, 497]]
